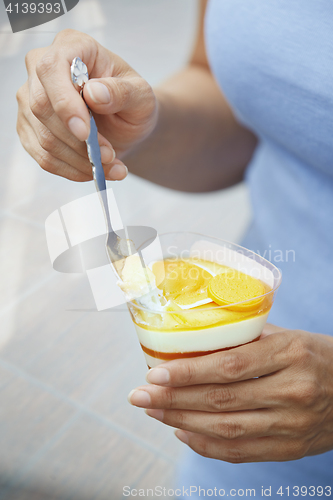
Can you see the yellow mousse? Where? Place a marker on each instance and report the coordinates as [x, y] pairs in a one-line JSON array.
[[195, 290]]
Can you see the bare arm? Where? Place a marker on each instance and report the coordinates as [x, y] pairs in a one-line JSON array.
[[197, 145]]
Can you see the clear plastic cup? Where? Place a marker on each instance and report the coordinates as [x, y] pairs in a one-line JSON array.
[[206, 329]]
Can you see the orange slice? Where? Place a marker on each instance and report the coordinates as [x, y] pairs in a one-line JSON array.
[[182, 280], [229, 288], [192, 299], [201, 316]]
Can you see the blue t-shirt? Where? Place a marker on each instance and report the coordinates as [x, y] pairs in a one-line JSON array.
[[273, 59]]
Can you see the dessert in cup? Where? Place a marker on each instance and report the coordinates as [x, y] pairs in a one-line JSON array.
[[202, 295]]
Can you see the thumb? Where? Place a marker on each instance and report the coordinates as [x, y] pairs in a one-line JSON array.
[[113, 95]]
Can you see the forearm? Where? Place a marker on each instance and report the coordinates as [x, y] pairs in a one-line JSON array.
[[197, 145]]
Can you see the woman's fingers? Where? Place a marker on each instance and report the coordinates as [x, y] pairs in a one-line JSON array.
[[265, 449], [41, 112], [131, 97], [224, 422], [115, 170], [41, 109], [123, 104], [60, 150], [45, 159], [252, 394], [61, 145], [242, 363], [53, 71], [121, 90], [230, 426]]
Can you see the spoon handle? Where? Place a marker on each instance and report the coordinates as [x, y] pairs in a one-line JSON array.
[[79, 75]]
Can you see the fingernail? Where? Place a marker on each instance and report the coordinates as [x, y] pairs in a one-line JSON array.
[[107, 154], [98, 92], [182, 436], [78, 128], [117, 172], [157, 414], [139, 398], [159, 376]]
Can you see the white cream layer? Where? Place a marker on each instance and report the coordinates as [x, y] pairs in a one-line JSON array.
[[203, 339]]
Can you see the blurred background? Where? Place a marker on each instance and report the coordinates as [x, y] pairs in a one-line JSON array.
[[66, 429]]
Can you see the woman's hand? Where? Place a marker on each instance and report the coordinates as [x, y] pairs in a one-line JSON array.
[[53, 120], [270, 400]]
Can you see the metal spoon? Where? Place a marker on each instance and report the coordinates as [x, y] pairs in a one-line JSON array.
[[117, 248]]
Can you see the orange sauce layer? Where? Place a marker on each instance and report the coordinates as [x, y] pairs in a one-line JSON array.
[[166, 356]]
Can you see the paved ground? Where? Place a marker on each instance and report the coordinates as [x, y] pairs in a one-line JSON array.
[[66, 429]]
